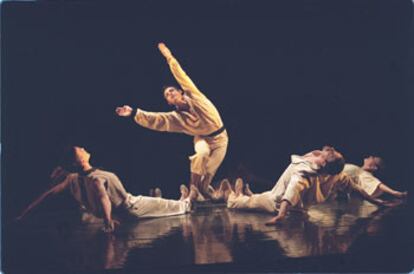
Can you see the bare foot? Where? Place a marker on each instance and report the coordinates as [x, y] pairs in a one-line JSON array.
[[198, 196], [238, 188], [212, 193], [248, 191], [193, 193], [224, 184], [184, 192], [224, 189]]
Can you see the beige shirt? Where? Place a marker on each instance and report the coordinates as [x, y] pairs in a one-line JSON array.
[[290, 185], [300, 185], [363, 178], [202, 118], [81, 188]]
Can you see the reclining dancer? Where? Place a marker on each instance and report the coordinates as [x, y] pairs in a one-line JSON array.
[[194, 115], [364, 177], [102, 194], [309, 179]]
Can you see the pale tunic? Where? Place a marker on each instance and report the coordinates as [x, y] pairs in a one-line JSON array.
[[299, 184], [363, 178], [200, 120], [81, 188], [261, 202]]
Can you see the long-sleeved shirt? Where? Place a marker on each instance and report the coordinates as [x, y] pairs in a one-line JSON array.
[[202, 118], [300, 184]]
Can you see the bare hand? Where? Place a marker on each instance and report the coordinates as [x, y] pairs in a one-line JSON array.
[[402, 195], [110, 226], [275, 220], [164, 50], [124, 111]]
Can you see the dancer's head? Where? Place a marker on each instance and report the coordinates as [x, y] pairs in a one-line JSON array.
[[373, 163], [173, 95], [334, 161], [75, 157]]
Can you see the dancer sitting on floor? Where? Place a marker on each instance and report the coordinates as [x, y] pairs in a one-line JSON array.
[[194, 115], [102, 194]]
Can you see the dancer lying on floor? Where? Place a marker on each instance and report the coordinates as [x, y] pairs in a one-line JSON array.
[[309, 179], [364, 177], [102, 194]]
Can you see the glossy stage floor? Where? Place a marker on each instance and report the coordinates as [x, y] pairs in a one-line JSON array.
[[351, 236]]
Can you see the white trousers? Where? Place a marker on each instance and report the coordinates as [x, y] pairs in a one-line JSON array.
[[153, 207]]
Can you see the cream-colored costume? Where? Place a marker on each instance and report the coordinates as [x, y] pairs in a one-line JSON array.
[[81, 187], [364, 179], [300, 185], [202, 119]]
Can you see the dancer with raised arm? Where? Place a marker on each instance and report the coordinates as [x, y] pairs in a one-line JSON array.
[[194, 115]]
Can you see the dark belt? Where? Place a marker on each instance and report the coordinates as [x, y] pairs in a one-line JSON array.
[[215, 133]]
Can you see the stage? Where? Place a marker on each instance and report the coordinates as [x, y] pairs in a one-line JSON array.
[[351, 236]]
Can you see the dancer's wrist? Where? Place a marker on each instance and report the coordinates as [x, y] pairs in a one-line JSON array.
[[134, 112]]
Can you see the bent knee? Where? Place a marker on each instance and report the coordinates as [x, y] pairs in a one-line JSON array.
[[203, 154]]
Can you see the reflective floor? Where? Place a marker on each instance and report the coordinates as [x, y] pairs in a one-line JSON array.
[[347, 236]]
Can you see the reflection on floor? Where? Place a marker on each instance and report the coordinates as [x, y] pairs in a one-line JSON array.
[[217, 236]]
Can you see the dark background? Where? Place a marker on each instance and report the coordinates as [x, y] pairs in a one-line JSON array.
[[286, 76]]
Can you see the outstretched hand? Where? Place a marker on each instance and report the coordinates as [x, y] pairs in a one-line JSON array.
[[275, 220], [164, 50], [124, 111]]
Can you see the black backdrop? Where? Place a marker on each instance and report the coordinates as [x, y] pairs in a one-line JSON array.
[[287, 77]]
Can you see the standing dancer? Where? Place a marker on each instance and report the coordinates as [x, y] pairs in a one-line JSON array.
[[194, 115]]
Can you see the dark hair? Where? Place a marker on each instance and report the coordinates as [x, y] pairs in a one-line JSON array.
[[334, 165], [68, 159], [380, 164], [171, 86]]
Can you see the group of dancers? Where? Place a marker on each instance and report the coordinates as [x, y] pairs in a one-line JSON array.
[[309, 179]]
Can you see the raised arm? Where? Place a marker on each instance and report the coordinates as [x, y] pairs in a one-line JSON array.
[[52, 191], [179, 74], [159, 121]]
